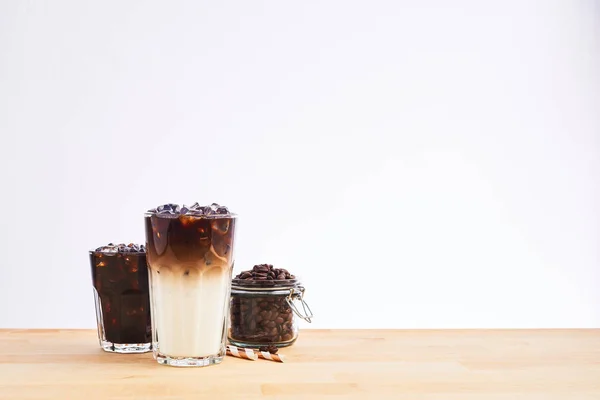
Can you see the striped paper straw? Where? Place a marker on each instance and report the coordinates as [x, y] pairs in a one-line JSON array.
[[246, 354], [253, 354], [270, 356]]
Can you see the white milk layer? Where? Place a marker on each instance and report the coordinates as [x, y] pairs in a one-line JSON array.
[[188, 310]]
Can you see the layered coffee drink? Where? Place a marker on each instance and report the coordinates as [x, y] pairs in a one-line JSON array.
[[120, 279], [190, 261]]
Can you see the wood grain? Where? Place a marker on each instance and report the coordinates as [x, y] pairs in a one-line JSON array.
[[336, 364]]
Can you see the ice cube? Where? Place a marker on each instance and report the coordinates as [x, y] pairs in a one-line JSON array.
[[167, 214], [198, 212], [222, 210], [168, 206], [111, 248]]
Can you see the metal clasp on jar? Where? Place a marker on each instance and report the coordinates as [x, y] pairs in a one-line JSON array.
[[298, 293]]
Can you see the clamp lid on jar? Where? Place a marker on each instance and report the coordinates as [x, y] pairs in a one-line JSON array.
[[264, 303], [265, 279]]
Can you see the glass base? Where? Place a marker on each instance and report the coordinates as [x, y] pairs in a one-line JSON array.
[[256, 345], [188, 361], [125, 348]]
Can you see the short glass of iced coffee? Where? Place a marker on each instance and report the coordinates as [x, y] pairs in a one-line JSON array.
[[120, 279]]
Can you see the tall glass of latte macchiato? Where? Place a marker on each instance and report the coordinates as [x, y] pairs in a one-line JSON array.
[[190, 261]]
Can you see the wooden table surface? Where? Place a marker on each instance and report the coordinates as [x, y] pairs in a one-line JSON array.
[[341, 364]]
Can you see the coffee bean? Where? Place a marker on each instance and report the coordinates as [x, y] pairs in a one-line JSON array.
[[279, 320], [261, 268]]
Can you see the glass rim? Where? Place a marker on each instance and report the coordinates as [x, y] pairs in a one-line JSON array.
[[176, 216], [114, 253]]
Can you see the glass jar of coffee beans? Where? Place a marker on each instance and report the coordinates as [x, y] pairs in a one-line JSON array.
[[265, 302]]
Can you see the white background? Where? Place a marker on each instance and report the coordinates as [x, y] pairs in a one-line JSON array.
[[421, 164]]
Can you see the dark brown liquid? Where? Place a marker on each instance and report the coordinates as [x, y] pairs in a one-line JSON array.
[[121, 281], [189, 241]]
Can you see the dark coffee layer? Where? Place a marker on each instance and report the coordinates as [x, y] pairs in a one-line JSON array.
[[189, 241], [121, 282]]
